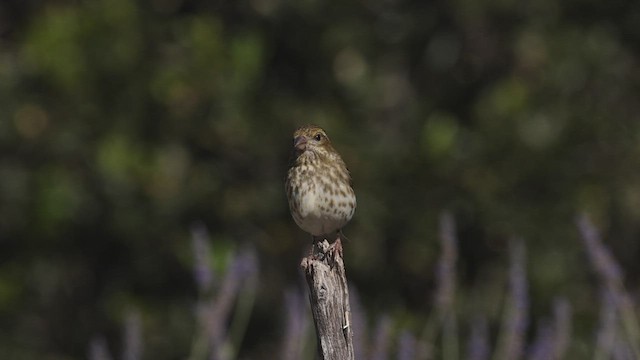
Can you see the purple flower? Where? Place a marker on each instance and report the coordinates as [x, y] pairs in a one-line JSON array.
[[611, 279], [446, 271], [359, 324], [478, 347], [202, 271], [382, 340], [515, 321], [600, 257], [295, 325], [561, 327], [132, 337], [406, 346], [98, 349]]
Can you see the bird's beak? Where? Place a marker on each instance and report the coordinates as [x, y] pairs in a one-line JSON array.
[[300, 143]]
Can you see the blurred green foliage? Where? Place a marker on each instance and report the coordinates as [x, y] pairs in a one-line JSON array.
[[123, 123]]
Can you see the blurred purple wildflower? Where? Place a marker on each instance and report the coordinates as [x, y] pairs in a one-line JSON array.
[[132, 336], [604, 264], [515, 321], [607, 329], [296, 324], [359, 324], [446, 271], [478, 347], [542, 347], [406, 346], [561, 327], [611, 278], [622, 351], [552, 338], [446, 286], [98, 349], [202, 271], [382, 340], [214, 312], [242, 267]]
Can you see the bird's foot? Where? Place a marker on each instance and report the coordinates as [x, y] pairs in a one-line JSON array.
[[335, 249], [321, 249]]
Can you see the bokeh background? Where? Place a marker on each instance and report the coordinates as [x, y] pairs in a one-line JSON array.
[[133, 133]]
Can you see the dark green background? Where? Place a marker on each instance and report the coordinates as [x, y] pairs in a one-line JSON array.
[[123, 123]]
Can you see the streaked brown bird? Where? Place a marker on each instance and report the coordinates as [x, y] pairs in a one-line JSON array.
[[318, 186]]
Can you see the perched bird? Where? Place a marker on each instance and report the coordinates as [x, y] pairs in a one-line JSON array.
[[318, 186]]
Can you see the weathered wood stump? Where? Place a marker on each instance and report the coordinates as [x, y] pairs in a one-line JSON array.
[[329, 297]]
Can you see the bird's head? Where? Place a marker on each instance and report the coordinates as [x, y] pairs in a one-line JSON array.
[[311, 138]]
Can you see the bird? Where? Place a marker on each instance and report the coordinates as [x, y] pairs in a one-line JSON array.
[[319, 187]]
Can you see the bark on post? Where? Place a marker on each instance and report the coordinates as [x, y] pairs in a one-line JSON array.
[[329, 297]]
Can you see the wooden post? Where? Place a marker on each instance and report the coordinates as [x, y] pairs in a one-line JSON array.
[[329, 297]]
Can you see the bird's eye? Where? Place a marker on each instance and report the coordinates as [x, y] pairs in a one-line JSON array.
[[318, 137]]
